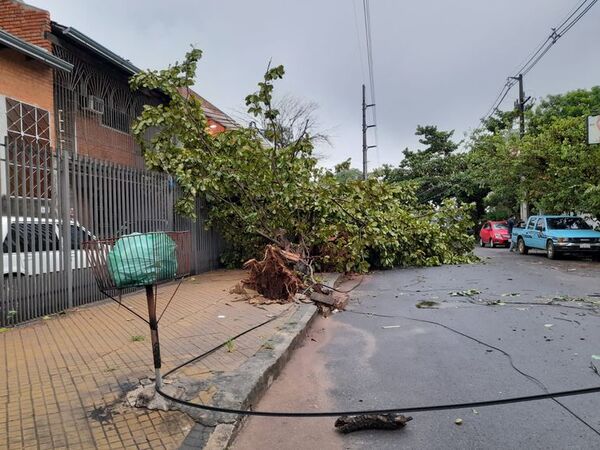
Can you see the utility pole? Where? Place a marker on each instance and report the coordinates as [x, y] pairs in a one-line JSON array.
[[520, 106], [365, 127]]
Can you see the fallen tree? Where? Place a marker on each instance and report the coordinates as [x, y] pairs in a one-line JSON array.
[[274, 206], [273, 277]]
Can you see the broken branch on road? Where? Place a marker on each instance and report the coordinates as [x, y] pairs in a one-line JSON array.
[[348, 424]]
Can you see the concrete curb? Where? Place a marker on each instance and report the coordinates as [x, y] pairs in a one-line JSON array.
[[245, 387]]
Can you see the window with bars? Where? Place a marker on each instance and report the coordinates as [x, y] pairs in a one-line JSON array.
[[28, 123], [116, 119], [28, 155]]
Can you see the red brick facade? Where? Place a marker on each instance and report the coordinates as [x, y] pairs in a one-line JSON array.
[[26, 22], [98, 141], [25, 80], [22, 78]]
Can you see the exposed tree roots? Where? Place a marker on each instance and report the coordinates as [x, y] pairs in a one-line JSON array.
[[274, 276]]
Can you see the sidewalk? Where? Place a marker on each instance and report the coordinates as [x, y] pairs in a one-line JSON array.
[[63, 380]]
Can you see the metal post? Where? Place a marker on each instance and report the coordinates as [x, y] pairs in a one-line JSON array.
[[65, 208], [521, 107], [365, 127], [151, 298], [524, 209], [364, 131]]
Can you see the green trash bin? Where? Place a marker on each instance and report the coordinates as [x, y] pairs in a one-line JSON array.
[[141, 259]]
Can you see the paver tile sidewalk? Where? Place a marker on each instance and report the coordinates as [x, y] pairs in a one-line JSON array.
[[62, 380]]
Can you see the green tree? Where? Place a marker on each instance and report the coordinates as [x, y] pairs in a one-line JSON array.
[[438, 170], [552, 167], [345, 172], [260, 187], [492, 165], [577, 104], [561, 171]]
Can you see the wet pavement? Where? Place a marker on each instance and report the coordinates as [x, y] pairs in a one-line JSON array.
[[357, 360]]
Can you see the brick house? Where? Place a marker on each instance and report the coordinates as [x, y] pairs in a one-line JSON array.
[[27, 69], [62, 89]]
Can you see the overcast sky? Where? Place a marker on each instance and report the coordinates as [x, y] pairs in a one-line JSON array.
[[435, 61]]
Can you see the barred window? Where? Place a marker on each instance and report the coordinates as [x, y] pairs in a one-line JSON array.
[[28, 155], [28, 123], [116, 119]]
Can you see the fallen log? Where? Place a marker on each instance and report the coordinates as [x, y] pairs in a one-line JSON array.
[[323, 298], [348, 424]]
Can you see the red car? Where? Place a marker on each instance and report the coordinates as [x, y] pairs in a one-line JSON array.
[[494, 233]]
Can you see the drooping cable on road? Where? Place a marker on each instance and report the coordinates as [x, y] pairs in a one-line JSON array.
[[398, 410], [485, 344], [404, 410]]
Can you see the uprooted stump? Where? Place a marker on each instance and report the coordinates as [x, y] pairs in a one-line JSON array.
[[348, 424], [274, 277]]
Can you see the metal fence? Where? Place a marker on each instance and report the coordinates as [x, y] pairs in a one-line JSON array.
[[52, 202]]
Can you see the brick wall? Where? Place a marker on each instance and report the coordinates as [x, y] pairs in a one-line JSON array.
[[26, 22], [101, 142], [27, 81], [23, 79]]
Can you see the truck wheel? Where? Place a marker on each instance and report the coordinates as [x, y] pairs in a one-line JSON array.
[[550, 251], [523, 250]]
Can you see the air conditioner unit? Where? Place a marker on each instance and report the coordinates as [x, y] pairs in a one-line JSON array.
[[94, 104]]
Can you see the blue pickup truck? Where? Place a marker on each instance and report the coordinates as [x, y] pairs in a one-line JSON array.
[[557, 235]]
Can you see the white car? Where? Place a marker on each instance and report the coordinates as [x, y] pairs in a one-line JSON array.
[[31, 246]]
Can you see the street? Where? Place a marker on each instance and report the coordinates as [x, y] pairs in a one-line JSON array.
[[355, 360]]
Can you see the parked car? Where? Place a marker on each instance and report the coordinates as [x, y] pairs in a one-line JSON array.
[[494, 233], [143, 226], [557, 235], [31, 246]]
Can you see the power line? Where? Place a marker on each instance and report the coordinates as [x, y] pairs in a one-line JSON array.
[[369, 45], [579, 17], [368, 37], [572, 13], [557, 32], [358, 41]]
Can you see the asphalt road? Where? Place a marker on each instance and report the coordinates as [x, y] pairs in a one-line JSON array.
[[354, 360]]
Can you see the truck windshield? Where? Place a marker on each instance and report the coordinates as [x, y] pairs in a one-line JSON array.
[[567, 223], [500, 226]]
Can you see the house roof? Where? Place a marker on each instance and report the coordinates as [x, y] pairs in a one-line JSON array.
[[33, 51], [95, 47], [212, 112]]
